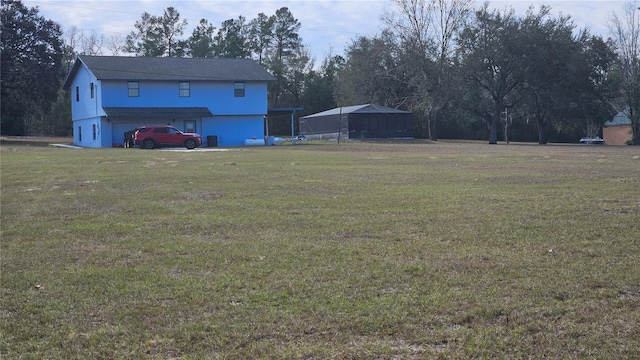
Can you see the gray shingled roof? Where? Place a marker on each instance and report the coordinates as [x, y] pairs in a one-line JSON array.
[[620, 119], [359, 109], [164, 68]]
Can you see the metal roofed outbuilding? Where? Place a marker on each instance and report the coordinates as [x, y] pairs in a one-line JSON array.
[[368, 121], [617, 131]]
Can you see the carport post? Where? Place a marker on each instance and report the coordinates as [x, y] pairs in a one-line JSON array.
[[265, 120], [283, 111], [293, 137]]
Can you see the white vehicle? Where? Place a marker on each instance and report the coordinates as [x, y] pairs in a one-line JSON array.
[[592, 140]]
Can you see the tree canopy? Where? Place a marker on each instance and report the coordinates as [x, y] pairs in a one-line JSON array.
[[32, 67], [158, 35]]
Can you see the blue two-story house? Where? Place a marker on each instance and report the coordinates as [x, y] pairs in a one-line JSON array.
[[224, 100]]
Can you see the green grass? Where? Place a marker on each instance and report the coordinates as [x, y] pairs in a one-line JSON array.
[[378, 250]]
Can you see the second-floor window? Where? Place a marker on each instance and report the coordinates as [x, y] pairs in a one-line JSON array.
[[238, 89], [77, 93], [134, 88], [184, 89]]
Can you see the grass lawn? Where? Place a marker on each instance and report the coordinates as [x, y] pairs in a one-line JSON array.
[[374, 250]]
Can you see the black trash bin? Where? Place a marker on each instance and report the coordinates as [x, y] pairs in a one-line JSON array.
[[212, 141]]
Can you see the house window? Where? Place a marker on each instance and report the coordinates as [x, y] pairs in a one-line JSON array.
[[184, 89], [238, 89], [92, 90], [134, 88], [79, 133], [95, 132], [77, 93]]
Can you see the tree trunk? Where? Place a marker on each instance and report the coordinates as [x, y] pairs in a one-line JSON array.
[[433, 134], [431, 127], [493, 129], [635, 132], [635, 127], [542, 129], [542, 134], [434, 131]]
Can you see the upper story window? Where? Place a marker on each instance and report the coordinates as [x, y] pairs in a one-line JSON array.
[[77, 93], [134, 88], [92, 88], [184, 89], [238, 89]]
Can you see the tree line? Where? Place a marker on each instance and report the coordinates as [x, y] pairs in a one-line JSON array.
[[464, 72], [495, 75]]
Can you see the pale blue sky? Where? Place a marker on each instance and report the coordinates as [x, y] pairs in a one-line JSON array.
[[326, 24]]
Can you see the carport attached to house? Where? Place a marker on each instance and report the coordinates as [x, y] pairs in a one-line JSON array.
[[124, 119]]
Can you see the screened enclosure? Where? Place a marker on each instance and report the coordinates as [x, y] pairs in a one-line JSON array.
[[367, 121]]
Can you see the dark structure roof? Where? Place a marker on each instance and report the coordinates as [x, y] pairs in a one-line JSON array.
[[618, 120], [157, 112], [165, 68], [358, 109]]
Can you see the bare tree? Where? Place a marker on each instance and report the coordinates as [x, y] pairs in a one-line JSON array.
[[591, 129], [91, 43], [116, 44], [72, 39], [427, 31], [79, 41], [412, 22], [625, 32]]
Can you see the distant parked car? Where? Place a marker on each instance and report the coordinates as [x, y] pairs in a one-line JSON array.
[[300, 138], [592, 140], [150, 137]]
